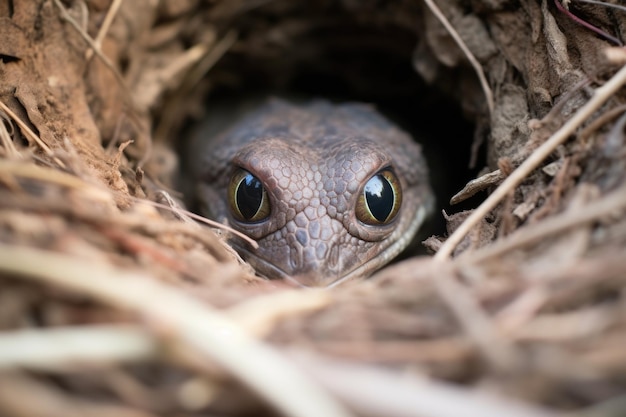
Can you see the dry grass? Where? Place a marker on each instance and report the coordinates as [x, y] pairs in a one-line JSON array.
[[115, 302]]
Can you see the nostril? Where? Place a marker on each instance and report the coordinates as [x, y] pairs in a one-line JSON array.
[[295, 257], [333, 257]]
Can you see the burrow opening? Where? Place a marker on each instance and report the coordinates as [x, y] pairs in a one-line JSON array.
[[343, 60]]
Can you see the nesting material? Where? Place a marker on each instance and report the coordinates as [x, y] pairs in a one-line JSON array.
[[115, 301]]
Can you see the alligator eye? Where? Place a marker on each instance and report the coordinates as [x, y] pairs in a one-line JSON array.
[[380, 199], [247, 197]]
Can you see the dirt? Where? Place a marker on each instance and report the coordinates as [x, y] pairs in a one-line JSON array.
[[529, 310]]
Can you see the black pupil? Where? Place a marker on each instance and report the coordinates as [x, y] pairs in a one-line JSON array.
[[379, 197], [249, 196]]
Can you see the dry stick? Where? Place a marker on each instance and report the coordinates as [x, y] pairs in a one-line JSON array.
[[601, 120], [72, 347], [565, 10], [468, 54], [212, 223], [186, 320], [578, 325], [209, 60], [104, 29], [552, 225], [186, 229], [53, 176], [192, 79], [477, 185], [364, 387], [5, 139], [259, 314], [31, 171], [93, 45], [600, 95], [605, 4], [373, 391], [475, 321], [25, 396], [28, 132]]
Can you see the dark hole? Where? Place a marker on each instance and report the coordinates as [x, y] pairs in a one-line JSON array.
[[7, 59], [355, 63]]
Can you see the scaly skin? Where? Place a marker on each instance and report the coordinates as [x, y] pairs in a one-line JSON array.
[[314, 161]]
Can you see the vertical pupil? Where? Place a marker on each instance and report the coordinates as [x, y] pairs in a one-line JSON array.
[[249, 196], [379, 197]]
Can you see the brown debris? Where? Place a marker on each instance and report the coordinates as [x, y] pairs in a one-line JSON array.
[[115, 302]]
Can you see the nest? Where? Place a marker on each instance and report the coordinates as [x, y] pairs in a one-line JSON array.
[[115, 302]]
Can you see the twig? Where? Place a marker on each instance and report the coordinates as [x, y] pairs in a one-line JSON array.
[[24, 396], [53, 176], [193, 324], [468, 54], [601, 120], [31, 171], [209, 222], [30, 134], [377, 392], [600, 95], [604, 3], [586, 24], [477, 185], [191, 80], [5, 138], [61, 207], [580, 324], [66, 348], [521, 310], [69, 347], [364, 387], [496, 349], [259, 314], [104, 29], [209, 60], [105, 60], [157, 228], [444, 350], [551, 225]]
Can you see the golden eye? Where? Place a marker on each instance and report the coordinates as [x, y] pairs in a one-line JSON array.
[[247, 197], [380, 200]]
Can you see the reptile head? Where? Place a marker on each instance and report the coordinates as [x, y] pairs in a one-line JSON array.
[[329, 192]]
